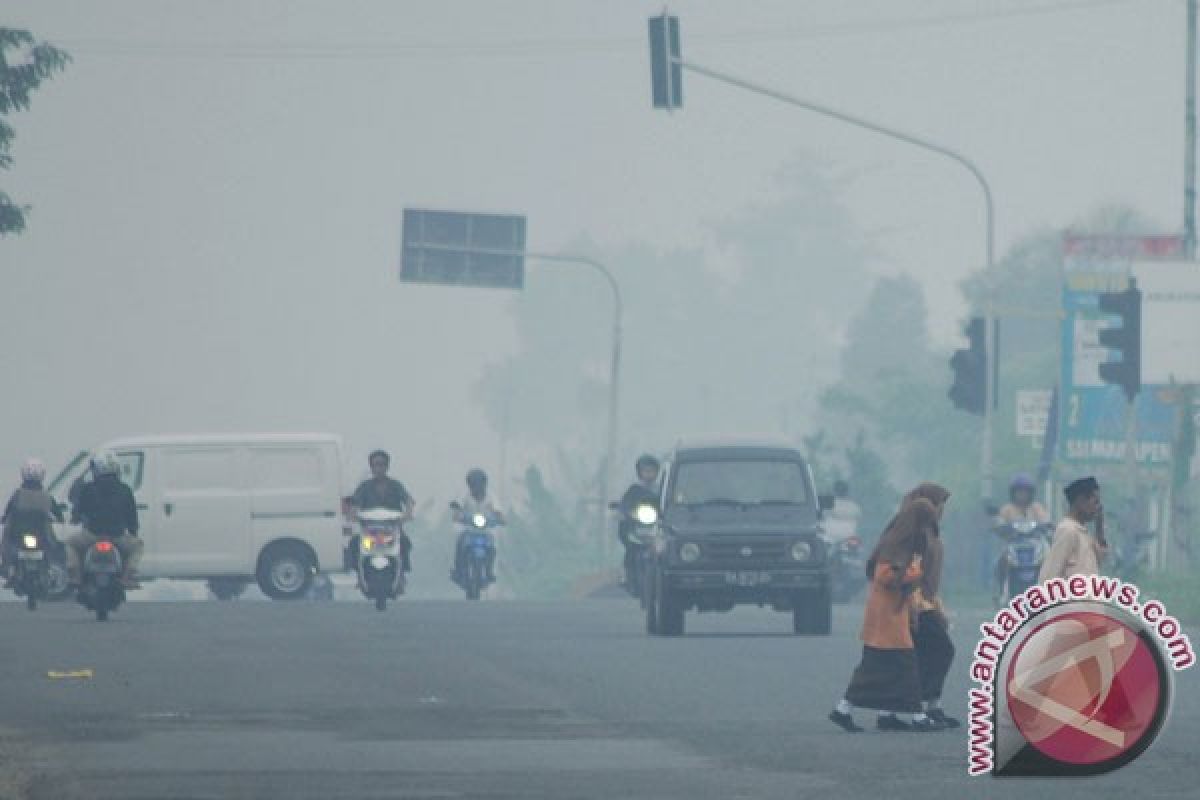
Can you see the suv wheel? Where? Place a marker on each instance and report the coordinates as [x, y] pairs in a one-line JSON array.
[[812, 614]]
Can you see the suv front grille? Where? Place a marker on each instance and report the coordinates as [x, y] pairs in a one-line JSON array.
[[746, 550]]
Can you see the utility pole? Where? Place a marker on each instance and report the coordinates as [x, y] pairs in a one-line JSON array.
[[1189, 154]]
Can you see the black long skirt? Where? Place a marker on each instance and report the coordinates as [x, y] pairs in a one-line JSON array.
[[935, 653], [886, 680]]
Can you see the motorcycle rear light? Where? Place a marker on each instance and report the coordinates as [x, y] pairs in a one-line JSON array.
[[104, 547]]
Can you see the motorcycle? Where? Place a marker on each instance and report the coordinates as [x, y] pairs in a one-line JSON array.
[[101, 590], [379, 574], [849, 565], [31, 578], [1026, 545], [642, 521], [478, 545]]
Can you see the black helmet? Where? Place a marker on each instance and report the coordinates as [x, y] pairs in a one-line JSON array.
[[647, 460], [476, 478]]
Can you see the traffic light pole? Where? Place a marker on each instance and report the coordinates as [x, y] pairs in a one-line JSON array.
[[989, 211]]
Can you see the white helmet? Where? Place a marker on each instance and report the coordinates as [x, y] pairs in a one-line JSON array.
[[105, 464], [33, 471]]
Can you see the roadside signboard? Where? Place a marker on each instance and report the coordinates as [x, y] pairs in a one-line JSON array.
[[458, 249], [1092, 414], [1033, 411]]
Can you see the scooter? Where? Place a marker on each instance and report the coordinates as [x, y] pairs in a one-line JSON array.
[[849, 567], [379, 566], [1025, 549], [31, 579], [479, 544], [101, 590], [643, 520]]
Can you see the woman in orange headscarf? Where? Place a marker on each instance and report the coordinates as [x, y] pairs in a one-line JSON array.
[[887, 677], [935, 651]]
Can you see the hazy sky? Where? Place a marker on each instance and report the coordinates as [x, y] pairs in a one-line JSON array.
[[217, 186]]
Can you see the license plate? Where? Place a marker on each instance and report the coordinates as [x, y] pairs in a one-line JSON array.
[[743, 578], [30, 555]]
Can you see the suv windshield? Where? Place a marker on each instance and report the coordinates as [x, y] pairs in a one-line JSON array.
[[731, 482]]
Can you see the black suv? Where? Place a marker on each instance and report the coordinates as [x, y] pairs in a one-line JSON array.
[[739, 525]]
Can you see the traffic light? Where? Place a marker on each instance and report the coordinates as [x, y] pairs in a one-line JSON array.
[[1125, 340], [666, 72], [969, 391]]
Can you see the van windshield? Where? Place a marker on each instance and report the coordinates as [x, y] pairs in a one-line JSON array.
[[74, 468], [741, 483]]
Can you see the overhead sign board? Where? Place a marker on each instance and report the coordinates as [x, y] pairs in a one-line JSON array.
[[1170, 321], [459, 249], [1092, 418]]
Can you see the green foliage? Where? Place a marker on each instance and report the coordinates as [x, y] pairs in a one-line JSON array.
[[24, 64], [548, 547]]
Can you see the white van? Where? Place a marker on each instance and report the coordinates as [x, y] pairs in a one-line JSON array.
[[231, 508]]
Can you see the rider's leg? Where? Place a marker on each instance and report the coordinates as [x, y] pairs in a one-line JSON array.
[[491, 559], [460, 553], [131, 548], [77, 545]]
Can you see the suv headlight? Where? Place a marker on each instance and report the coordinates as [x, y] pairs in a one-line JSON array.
[[802, 551], [689, 552]]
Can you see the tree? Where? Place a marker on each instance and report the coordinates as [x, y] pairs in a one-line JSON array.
[[24, 64], [716, 340]]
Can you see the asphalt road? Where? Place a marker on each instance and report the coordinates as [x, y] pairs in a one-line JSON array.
[[493, 700]]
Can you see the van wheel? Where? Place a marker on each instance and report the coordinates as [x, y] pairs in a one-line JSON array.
[[812, 614], [285, 571]]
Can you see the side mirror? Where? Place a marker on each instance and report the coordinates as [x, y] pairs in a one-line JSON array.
[[991, 509], [825, 502], [455, 506], [614, 506]]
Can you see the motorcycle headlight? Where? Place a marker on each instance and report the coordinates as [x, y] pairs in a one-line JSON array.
[[30, 541], [646, 515], [479, 521], [801, 551], [689, 552]]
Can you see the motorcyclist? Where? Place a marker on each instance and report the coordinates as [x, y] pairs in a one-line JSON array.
[[644, 491], [381, 491], [1022, 507], [29, 509], [108, 510], [843, 519], [477, 501]]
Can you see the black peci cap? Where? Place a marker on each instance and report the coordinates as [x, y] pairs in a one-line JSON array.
[[1080, 488]]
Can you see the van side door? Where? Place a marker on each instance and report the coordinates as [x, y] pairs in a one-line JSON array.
[[205, 511], [294, 494]]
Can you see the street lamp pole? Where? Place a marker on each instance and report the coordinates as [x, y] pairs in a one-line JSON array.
[[989, 212]]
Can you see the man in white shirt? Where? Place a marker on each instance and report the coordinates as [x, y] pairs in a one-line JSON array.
[[477, 501], [1074, 550]]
